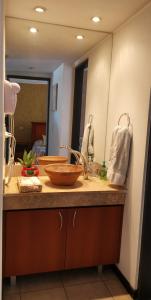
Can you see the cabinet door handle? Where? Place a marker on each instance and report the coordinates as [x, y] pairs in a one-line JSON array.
[[74, 218], [61, 220]]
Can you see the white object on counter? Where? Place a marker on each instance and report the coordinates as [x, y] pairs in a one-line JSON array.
[[29, 184], [119, 155]]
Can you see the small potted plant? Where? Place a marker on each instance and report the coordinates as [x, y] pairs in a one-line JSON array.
[[29, 169]]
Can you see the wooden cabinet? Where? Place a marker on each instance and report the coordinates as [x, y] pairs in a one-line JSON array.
[[94, 236], [34, 241], [48, 240]]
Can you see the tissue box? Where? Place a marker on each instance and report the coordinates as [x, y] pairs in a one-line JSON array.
[[29, 184]]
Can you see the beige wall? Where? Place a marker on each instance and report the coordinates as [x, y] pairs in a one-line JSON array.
[[98, 92], [31, 107], [130, 92]]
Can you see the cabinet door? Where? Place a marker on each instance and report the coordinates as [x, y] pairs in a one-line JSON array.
[[94, 236], [34, 241]]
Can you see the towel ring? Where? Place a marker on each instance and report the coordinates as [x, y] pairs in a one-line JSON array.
[[125, 115], [90, 119]]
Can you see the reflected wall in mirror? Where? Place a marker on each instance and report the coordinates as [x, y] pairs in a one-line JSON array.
[[54, 53]]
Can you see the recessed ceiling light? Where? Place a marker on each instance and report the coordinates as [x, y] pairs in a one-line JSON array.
[[96, 19], [79, 37], [40, 9], [33, 29]]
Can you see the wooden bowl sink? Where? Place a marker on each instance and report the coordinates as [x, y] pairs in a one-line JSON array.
[[46, 160], [63, 174]]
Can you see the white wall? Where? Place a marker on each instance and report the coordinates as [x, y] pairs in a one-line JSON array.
[[60, 120], [1, 131], [98, 92], [130, 92]]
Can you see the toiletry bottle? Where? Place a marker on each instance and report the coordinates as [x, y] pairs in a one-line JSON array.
[[89, 163], [103, 171]]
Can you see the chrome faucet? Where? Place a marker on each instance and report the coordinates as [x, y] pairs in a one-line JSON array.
[[79, 156]]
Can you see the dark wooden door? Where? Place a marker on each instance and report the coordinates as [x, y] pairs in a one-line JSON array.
[[144, 281], [34, 241], [79, 105], [94, 236]]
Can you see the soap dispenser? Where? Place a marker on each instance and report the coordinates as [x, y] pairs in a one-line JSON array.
[[103, 171]]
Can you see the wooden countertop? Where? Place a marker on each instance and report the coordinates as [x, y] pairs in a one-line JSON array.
[[91, 192]]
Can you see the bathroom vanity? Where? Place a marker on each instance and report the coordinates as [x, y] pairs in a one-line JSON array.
[[61, 227]]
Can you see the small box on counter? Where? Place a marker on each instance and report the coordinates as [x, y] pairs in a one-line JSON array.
[[29, 184]]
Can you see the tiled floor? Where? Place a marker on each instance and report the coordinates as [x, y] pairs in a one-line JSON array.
[[83, 284]]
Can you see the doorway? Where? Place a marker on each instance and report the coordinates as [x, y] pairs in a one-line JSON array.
[[79, 105], [144, 283], [31, 117]]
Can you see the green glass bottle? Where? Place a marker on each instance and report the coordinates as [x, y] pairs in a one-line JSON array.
[[103, 171]]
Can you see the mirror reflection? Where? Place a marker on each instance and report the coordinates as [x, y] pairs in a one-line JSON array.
[[64, 75]]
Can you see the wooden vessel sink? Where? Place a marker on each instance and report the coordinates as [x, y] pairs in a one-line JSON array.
[[46, 160], [64, 174]]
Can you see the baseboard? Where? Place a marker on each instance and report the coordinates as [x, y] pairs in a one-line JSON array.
[[131, 291]]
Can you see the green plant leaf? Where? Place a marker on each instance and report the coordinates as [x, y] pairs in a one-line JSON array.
[[25, 155], [21, 161], [29, 155], [28, 158]]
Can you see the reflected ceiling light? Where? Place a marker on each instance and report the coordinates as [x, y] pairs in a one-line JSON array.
[[96, 19], [40, 9], [79, 37], [33, 29]]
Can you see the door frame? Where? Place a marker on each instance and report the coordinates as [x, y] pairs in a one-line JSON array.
[[144, 278], [77, 104], [48, 100]]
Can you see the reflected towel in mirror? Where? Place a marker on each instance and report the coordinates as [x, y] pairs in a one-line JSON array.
[[11, 90], [87, 148]]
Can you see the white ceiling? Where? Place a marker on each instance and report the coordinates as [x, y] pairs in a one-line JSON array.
[[27, 66], [53, 44], [77, 13], [46, 50]]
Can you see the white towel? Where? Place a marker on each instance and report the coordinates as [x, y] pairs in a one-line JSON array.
[[10, 96], [87, 148], [119, 155]]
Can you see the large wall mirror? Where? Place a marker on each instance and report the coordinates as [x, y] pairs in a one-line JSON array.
[[56, 98]]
